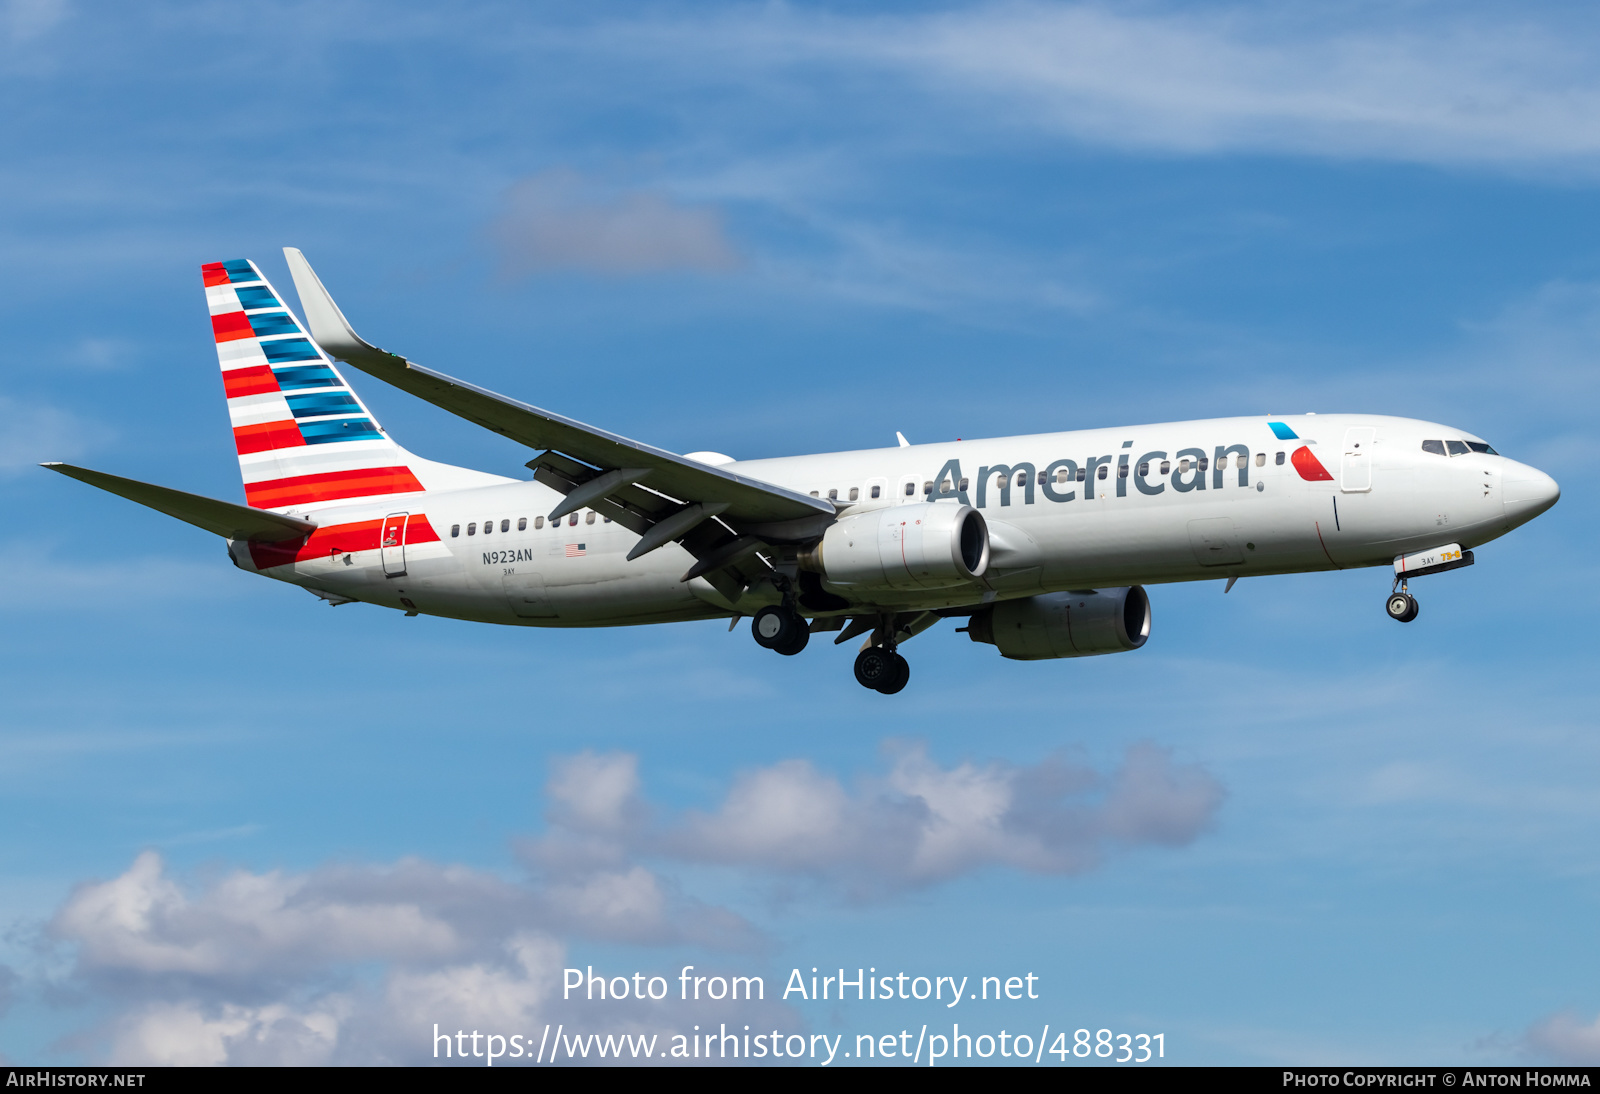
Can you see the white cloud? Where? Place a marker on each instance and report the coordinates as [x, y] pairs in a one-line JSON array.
[[263, 968], [593, 793], [26, 20], [924, 823], [189, 1035], [247, 924], [560, 220], [1446, 87], [268, 967], [1564, 1038]]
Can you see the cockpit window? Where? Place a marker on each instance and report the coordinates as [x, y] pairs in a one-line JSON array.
[[1479, 446], [1435, 447], [1456, 448]]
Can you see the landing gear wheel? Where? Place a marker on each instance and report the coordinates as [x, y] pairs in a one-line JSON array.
[[875, 667], [802, 635], [1402, 607], [780, 629], [900, 677]]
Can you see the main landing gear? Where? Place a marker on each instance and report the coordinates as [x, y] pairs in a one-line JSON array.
[[882, 669], [1401, 605], [781, 628], [879, 667]]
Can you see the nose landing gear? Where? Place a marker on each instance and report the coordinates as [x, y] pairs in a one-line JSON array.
[[1401, 605], [882, 669]]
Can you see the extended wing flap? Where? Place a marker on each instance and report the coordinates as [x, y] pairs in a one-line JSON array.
[[747, 501], [222, 518], [634, 508]]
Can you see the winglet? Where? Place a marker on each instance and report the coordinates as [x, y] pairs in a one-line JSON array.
[[331, 330], [901, 437]]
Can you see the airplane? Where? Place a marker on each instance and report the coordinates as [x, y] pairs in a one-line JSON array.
[[1041, 544]]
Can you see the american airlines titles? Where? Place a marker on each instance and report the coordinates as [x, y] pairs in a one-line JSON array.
[[1190, 470]]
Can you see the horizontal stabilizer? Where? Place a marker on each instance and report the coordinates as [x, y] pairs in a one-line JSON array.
[[224, 518]]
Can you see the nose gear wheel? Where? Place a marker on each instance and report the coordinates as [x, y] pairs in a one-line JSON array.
[[1401, 605]]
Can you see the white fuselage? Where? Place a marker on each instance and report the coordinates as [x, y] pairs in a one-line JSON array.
[[1075, 512]]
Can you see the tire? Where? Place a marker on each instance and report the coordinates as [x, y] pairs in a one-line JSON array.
[[1397, 606], [874, 667], [797, 641], [771, 627], [1411, 612], [900, 677]]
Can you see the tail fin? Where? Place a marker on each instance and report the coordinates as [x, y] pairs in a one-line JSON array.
[[304, 438]]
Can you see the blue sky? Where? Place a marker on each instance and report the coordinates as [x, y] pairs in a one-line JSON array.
[[239, 825]]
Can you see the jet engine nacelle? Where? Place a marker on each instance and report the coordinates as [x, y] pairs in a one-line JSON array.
[[1065, 624], [929, 545]]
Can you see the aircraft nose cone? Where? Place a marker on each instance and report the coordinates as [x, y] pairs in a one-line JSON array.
[[1528, 492]]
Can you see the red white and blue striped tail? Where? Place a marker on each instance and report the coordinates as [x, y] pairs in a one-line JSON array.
[[305, 440]]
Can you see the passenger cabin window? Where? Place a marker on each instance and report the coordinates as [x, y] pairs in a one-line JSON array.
[[1205, 464], [1022, 478], [1043, 478], [1279, 460], [944, 486], [1261, 459], [455, 530], [1166, 467], [589, 517], [1456, 448], [488, 526], [1183, 465], [911, 488], [1479, 446], [572, 521], [1061, 474], [1122, 471], [877, 490], [1144, 469], [1083, 473], [505, 525], [608, 520], [927, 488], [522, 524], [855, 493], [816, 494], [963, 484], [1104, 470], [538, 522], [833, 495], [472, 529]]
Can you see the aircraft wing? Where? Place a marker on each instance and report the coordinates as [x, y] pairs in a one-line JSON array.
[[737, 500], [223, 518]]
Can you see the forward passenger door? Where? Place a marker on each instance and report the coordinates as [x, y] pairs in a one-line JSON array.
[[1355, 472]]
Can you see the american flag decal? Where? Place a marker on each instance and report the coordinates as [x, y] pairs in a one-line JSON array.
[[576, 549]]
